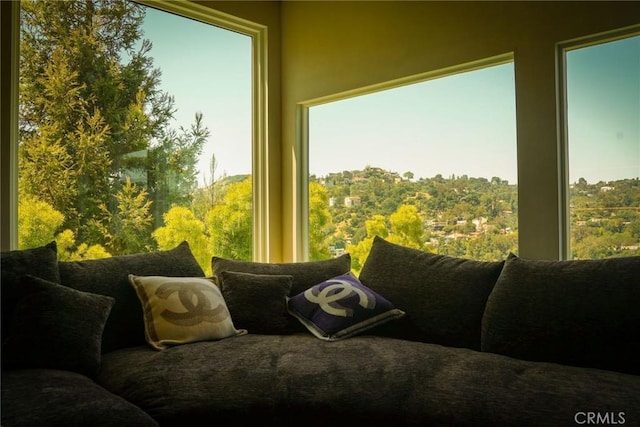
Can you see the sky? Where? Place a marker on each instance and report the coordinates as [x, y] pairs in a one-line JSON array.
[[462, 125], [603, 98], [208, 70]]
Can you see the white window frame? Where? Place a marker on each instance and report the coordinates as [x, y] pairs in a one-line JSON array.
[[301, 249], [563, 132], [187, 9]]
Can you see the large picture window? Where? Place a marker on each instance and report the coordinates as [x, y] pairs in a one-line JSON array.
[[430, 164], [128, 140], [602, 96]]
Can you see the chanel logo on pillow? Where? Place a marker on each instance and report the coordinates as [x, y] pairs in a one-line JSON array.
[[337, 290], [196, 305], [341, 307], [180, 310]]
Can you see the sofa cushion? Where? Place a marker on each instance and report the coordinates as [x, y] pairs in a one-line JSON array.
[[180, 310], [56, 327], [230, 382], [304, 274], [443, 297], [40, 262], [341, 307], [45, 397], [110, 276], [299, 380], [257, 302], [578, 312]]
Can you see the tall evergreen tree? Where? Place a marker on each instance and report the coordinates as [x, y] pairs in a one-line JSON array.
[[92, 113]]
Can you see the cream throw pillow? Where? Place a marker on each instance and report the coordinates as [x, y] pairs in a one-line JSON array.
[[179, 310]]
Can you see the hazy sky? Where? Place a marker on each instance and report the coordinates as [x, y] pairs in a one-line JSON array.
[[462, 124], [207, 70], [603, 87]]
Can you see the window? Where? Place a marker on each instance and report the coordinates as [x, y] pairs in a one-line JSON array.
[[130, 142], [602, 96], [429, 163]]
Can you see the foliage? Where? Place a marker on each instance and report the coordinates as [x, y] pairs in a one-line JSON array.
[[181, 224], [461, 216], [472, 217], [69, 250], [171, 165], [376, 226], [320, 226], [605, 218], [38, 222], [406, 227], [91, 115], [127, 229], [230, 222]]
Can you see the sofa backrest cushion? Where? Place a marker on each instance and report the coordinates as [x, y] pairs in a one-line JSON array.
[[40, 262], [443, 297], [257, 302], [110, 276], [304, 275], [56, 327], [578, 312]]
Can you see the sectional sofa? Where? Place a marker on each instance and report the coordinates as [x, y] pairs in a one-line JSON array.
[[416, 339]]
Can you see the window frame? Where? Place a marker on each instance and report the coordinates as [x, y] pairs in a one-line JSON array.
[[259, 78], [301, 239], [562, 49]]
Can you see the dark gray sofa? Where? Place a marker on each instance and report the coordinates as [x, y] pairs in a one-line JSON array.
[[512, 343]]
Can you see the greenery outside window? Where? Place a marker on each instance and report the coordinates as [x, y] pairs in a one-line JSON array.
[[427, 162], [103, 167], [601, 104]]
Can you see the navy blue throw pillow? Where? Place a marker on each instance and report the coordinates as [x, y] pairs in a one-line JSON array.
[[341, 307]]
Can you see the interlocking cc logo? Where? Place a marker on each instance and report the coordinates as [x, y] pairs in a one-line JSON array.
[[195, 302], [328, 297]]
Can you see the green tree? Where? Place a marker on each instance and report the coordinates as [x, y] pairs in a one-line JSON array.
[[127, 230], [320, 226], [92, 113], [38, 222], [181, 224], [406, 227], [69, 250], [376, 226], [230, 222], [172, 166]]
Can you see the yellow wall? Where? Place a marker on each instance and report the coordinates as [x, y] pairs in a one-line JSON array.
[[331, 47]]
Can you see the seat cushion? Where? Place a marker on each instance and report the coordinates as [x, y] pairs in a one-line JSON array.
[[366, 380], [229, 381], [44, 397]]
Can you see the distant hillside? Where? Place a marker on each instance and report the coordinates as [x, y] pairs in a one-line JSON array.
[[466, 216]]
